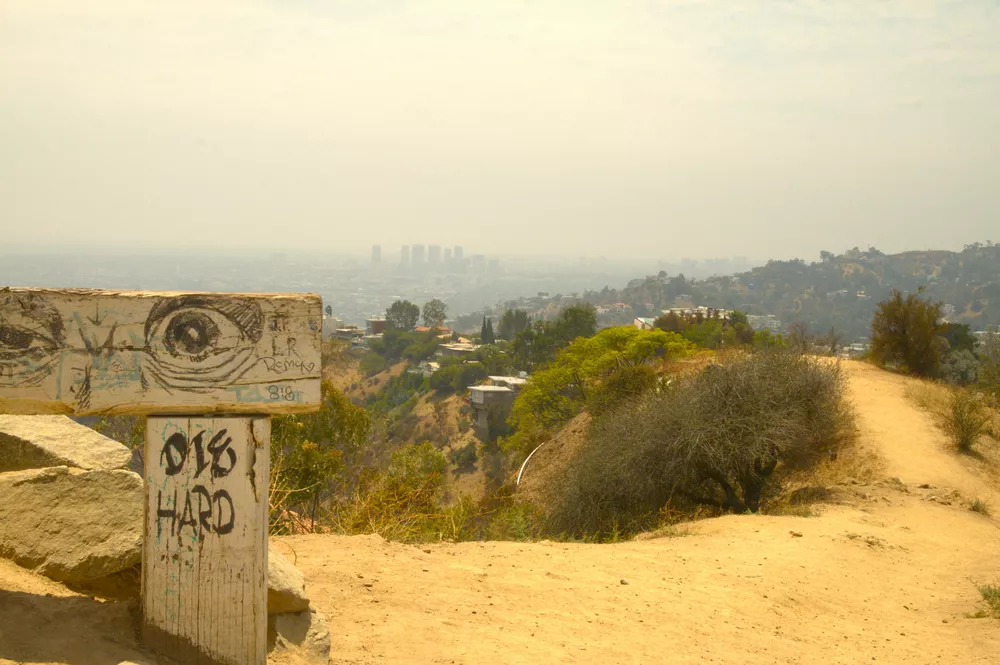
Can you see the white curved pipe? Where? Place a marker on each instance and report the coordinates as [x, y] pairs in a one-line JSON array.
[[518, 481]]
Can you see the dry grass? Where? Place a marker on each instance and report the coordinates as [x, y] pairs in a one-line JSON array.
[[990, 594], [936, 400], [980, 506]]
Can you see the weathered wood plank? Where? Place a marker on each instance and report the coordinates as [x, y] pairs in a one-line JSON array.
[[204, 564], [90, 352]]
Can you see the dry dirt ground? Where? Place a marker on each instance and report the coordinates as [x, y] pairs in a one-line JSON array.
[[886, 575]]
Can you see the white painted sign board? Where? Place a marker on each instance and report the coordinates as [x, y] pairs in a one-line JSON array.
[[89, 352]]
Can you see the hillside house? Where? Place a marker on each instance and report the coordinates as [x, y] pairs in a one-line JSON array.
[[490, 407], [375, 326], [425, 368], [457, 350], [764, 322], [515, 383], [644, 323]]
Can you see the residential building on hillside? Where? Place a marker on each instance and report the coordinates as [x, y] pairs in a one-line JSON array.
[[490, 407], [515, 383], [764, 322], [706, 312], [644, 323], [457, 350]]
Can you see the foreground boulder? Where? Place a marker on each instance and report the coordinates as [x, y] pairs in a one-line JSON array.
[[37, 442], [70, 525], [286, 587], [304, 634]]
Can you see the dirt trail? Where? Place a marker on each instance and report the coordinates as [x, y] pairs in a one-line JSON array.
[[886, 579], [912, 444]]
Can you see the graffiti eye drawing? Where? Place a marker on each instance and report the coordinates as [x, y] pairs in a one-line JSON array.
[[192, 334], [16, 338], [201, 339], [31, 336]]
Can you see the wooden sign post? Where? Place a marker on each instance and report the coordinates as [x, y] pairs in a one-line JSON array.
[[179, 358]]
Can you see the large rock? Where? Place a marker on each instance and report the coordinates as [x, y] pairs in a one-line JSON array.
[[286, 587], [70, 525], [37, 442], [304, 633]]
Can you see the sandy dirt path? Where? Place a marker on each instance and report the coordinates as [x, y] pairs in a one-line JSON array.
[[907, 437]]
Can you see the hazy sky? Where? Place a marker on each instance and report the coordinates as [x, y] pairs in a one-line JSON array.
[[656, 129]]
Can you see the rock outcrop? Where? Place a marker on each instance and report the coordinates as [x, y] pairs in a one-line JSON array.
[[303, 633], [37, 442], [286, 587], [71, 525]]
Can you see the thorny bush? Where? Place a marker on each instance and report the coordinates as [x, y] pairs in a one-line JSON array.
[[712, 439]]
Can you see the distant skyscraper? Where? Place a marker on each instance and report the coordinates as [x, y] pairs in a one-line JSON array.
[[447, 254], [404, 255], [458, 254], [434, 254], [418, 255], [376, 254], [479, 263]]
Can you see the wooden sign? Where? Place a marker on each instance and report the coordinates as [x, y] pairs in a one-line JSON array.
[[204, 566], [89, 352]]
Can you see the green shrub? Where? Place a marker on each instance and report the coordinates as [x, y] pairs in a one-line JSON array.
[[623, 384], [960, 367], [980, 506], [713, 439], [556, 394], [990, 594], [372, 363], [967, 419], [989, 358], [464, 458], [456, 377]]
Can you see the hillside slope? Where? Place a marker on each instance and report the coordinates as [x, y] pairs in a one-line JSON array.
[[839, 291], [884, 576]]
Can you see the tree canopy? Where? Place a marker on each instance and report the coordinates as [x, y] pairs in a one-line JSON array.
[[402, 315], [512, 322], [435, 312], [557, 393], [906, 331]]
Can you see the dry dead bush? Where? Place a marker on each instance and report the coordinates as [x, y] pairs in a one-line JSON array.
[[714, 439]]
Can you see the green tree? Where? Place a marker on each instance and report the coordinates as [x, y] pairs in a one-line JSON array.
[[489, 337], [576, 321], [308, 451], [512, 322], [494, 360], [329, 310], [435, 312], [670, 322], [557, 393], [906, 332], [959, 337], [402, 315], [989, 372]]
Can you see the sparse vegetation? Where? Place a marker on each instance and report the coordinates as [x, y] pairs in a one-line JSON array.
[[990, 594], [968, 419], [715, 439], [870, 541], [464, 458], [980, 506]]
